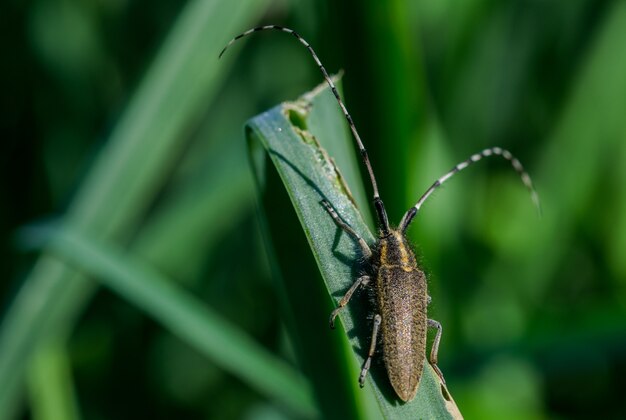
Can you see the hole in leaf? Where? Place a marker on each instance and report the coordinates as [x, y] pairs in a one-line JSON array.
[[297, 119], [445, 393]]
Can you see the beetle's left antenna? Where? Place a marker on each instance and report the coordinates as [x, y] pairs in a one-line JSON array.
[[378, 203], [493, 151]]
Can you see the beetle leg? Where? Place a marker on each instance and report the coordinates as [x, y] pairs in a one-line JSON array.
[[365, 249], [435, 349], [368, 361], [361, 281]]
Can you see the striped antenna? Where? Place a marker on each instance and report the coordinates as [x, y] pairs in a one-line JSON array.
[[497, 151], [378, 204]]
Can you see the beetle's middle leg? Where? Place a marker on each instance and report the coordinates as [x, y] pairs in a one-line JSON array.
[[435, 349], [361, 281]]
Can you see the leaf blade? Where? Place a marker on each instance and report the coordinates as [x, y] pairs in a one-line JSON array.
[[123, 180], [183, 315], [309, 176]]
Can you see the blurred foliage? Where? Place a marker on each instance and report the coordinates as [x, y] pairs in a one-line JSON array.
[[118, 120]]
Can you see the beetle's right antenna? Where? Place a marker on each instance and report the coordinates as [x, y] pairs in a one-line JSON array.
[[378, 203]]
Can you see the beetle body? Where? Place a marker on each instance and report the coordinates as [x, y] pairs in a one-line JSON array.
[[401, 297], [399, 283]]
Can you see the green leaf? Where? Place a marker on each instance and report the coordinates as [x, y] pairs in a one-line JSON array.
[[601, 82], [182, 314], [295, 139], [50, 384], [125, 178]]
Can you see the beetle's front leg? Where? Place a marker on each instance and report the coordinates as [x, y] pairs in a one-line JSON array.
[[365, 249]]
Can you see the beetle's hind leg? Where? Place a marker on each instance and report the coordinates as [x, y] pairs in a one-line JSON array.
[[435, 349], [366, 365], [365, 249]]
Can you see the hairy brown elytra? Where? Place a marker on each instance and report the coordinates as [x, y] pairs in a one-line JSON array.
[[392, 271], [402, 300]]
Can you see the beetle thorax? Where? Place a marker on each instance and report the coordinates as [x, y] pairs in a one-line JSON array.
[[395, 251]]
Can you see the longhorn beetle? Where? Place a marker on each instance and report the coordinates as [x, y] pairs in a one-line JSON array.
[[399, 282]]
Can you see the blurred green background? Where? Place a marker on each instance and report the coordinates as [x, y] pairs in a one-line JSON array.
[[119, 123]]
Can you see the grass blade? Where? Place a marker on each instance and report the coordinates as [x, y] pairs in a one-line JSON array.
[[125, 178], [290, 140], [183, 315], [50, 384], [601, 82]]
